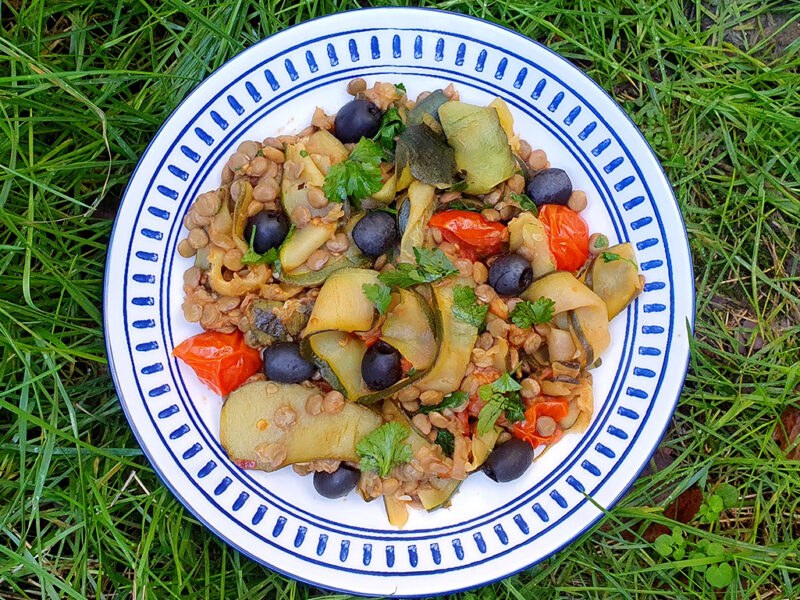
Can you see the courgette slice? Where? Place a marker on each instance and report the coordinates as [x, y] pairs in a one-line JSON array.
[[421, 201], [305, 277], [325, 143], [294, 191], [342, 305], [528, 231], [302, 243], [411, 327], [616, 281]]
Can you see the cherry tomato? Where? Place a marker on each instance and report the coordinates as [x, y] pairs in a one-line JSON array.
[[482, 236], [568, 235], [557, 408], [221, 360]]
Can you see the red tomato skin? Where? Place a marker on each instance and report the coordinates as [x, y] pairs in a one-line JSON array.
[[568, 236], [481, 236], [220, 360], [557, 408]]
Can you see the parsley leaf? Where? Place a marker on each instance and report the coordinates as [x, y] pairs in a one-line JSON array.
[[303, 153], [611, 257], [432, 265], [391, 126], [384, 448], [466, 307], [400, 88], [447, 441], [601, 241], [500, 396], [379, 294], [526, 314], [525, 203], [252, 257], [358, 176], [453, 400]]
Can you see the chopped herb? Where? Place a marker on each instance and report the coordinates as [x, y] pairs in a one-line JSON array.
[[501, 396], [611, 257], [526, 314], [459, 186], [466, 307], [460, 205], [252, 257], [400, 88], [432, 265], [525, 203], [303, 153], [358, 176], [453, 400], [411, 372], [379, 294], [384, 448], [601, 241], [447, 441], [391, 126]]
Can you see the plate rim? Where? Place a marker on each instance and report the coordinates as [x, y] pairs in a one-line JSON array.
[[585, 78]]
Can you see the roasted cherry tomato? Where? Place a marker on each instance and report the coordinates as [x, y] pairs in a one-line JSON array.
[[568, 235], [482, 236], [556, 408], [221, 360]]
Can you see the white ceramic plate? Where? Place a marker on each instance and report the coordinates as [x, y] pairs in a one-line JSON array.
[[491, 530]]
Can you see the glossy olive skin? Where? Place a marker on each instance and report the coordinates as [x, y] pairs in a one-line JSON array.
[[550, 186], [284, 364], [380, 367], [509, 461], [357, 119], [375, 233], [337, 484], [271, 227], [510, 275]]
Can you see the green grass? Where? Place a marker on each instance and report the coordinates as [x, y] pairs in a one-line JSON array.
[[84, 84]]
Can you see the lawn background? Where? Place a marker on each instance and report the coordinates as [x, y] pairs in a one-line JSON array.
[[84, 85]]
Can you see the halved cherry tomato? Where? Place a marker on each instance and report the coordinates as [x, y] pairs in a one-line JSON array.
[[221, 360], [484, 237], [557, 408], [568, 236]]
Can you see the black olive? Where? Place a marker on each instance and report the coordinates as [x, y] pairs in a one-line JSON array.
[[550, 186], [337, 484], [271, 229], [380, 366], [357, 119], [403, 213], [508, 461], [283, 363], [375, 233], [510, 275]]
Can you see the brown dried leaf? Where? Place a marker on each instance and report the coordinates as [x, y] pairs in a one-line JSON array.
[[683, 509], [787, 430]]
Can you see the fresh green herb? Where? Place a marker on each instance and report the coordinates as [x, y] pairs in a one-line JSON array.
[[525, 203], [400, 88], [379, 294], [601, 241], [384, 448], [358, 176], [611, 257], [527, 314], [432, 265], [411, 372], [303, 153], [466, 307], [459, 186], [391, 126], [453, 400], [501, 396], [252, 257], [460, 205], [447, 441]]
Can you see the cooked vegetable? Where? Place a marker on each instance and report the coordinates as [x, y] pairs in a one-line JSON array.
[[549, 186], [568, 236], [482, 446], [420, 203], [220, 360], [342, 304], [237, 285], [357, 119], [525, 230], [458, 339], [484, 238], [509, 461], [337, 484], [507, 123], [427, 106], [427, 155], [615, 278], [305, 277], [510, 275], [532, 430], [294, 190], [250, 433], [301, 245], [324, 143], [338, 356], [480, 144], [526, 314], [411, 327], [380, 367], [270, 322], [375, 233], [283, 363]]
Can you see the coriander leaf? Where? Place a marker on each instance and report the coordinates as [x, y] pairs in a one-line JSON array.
[[527, 314], [384, 448], [405, 275], [453, 400], [400, 88], [252, 257], [447, 441], [505, 384], [431, 266], [611, 257], [525, 203], [357, 177], [488, 417], [391, 126], [303, 153], [379, 294], [513, 407], [435, 263], [500, 396], [601, 241], [367, 151], [466, 307]]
